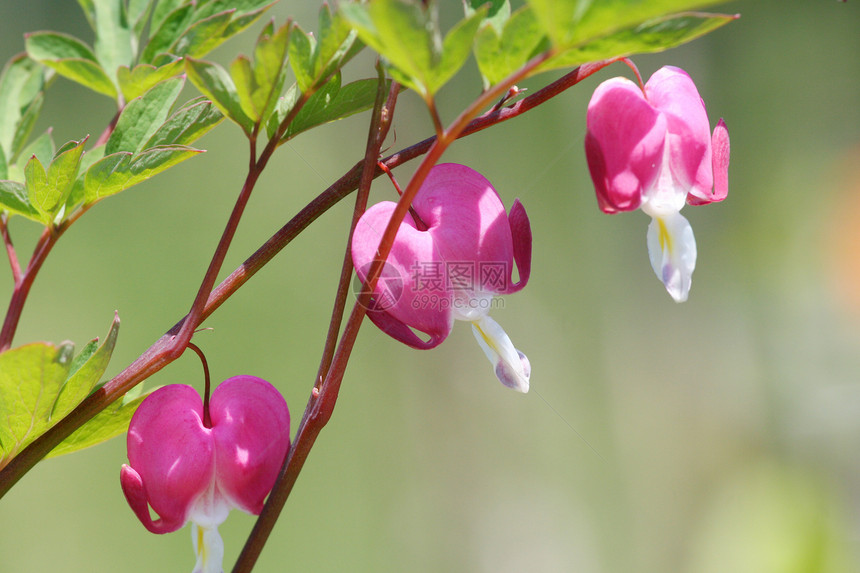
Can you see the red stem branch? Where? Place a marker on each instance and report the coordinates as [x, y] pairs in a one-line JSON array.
[[157, 356]]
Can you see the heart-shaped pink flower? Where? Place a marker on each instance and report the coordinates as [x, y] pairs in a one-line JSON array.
[[186, 471]]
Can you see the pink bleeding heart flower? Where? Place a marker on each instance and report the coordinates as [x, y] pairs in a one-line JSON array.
[[449, 265], [186, 471], [653, 149]]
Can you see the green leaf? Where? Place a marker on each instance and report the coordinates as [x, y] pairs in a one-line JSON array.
[[107, 424], [113, 44], [498, 12], [332, 102], [13, 198], [336, 43], [166, 31], [407, 35], [90, 158], [30, 378], [187, 124], [575, 22], [136, 81], [39, 194], [21, 84], [499, 54], [136, 12], [63, 171], [4, 167], [42, 147], [26, 124], [214, 82], [301, 58], [202, 36], [143, 116], [85, 372], [162, 10], [652, 36], [70, 58], [119, 171]]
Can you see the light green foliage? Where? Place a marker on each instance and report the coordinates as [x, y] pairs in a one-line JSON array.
[[142, 116], [134, 82], [652, 36], [40, 383], [70, 58], [315, 58], [504, 44], [573, 23], [259, 83], [21, 85], [329, 103], [216, 84], [407, 35]]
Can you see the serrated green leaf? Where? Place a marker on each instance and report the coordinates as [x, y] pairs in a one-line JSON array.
[[119, 171], [30, 377], [21, 83], [13, 198], [70, 58], [333, 102], [407, 35], [187, 124], [575, 22], [202, 36], [215, 83], [301, 58], [652, 36], [63, 171], [143, 116], [85, 372], [500, 54], [170, 28], [136, 81], [107, 424]]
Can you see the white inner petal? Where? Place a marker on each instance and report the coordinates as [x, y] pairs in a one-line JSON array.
[[672, 250], [511, 366], [209, 549]]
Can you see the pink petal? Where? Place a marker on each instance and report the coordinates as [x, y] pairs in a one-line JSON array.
[[671, 91], [251, 429], [623, 144], [170, 456], [521, 233], [405, 294]]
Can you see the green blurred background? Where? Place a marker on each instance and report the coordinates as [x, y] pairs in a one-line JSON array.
[[714, 436]]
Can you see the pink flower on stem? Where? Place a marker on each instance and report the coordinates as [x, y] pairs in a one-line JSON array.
[[186, 471], [652, 149], [448, 265]]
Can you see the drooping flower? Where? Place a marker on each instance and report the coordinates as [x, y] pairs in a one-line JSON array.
[[449, 265], [653, 149], [186, 471]]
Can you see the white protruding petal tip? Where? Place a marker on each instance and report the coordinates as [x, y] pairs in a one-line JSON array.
[[209, 548], [511, 366], [672, 250]]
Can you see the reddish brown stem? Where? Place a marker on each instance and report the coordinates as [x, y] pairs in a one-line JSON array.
[[158, 355]]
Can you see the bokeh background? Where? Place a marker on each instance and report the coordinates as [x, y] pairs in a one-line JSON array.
[[718, 435]]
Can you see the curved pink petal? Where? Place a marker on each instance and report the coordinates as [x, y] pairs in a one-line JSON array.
[[171, 457], [521, 233], [721, 148], [623, 144], [412, 289], [672, 92], [251, 429]]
